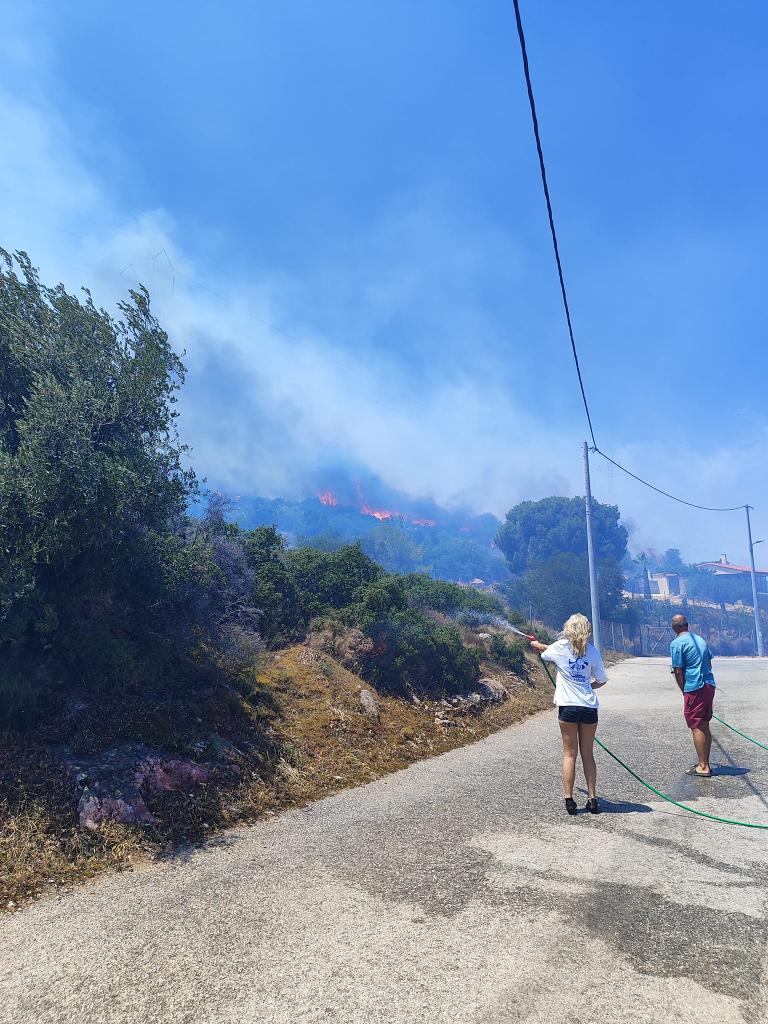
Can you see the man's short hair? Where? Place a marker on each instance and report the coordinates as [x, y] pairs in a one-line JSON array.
[[679, 620]]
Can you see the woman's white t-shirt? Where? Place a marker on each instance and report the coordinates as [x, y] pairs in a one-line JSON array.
[[575, 674]]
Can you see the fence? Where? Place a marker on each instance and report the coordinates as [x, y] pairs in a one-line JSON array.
[[648, 641], [619, 636]]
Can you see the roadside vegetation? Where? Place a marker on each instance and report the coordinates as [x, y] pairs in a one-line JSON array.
[[141, 644]]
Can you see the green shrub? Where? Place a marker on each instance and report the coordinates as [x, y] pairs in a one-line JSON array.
[[413, 653], [410, 651], [424, 592], [93, 490], [330, 579], [509, 654], [282, 609]]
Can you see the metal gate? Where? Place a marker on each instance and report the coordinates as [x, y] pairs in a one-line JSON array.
[[655, 640]]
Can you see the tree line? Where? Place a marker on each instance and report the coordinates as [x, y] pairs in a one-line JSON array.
[[109, 585]]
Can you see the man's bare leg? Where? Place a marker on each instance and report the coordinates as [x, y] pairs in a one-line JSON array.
[[702, 740]]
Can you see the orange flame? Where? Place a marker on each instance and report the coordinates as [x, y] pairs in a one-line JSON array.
[[382, 514]]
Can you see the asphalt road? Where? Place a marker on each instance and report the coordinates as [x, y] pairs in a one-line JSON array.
[[456, 890]]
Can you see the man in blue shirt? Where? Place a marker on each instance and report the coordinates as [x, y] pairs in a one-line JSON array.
[[692, 666]]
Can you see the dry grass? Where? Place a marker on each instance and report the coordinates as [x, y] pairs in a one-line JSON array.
[[339, 746], [320, 742], [41, 842]]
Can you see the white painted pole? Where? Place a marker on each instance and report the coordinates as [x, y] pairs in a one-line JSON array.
[[758, 628], [593, 593]]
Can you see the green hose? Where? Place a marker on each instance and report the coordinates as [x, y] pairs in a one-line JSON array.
[[734, 729], [642, 781]]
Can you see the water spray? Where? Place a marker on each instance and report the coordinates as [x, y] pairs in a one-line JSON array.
[[504, 624]]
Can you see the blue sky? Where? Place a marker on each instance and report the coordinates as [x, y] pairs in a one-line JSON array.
[[354, 247]]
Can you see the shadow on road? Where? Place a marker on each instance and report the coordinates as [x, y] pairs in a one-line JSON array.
[[731, 768], [619, 806]]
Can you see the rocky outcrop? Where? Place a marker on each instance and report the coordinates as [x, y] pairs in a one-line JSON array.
[[492, 691], [116, 785], [370, 705]]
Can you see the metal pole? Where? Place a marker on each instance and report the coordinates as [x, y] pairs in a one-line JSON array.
[[758, 629], [593, 594]]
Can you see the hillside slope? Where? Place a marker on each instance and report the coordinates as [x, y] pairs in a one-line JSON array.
[[323, 738]]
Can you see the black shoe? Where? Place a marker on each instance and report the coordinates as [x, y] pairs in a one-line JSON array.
[[593, 806], [570, 805]]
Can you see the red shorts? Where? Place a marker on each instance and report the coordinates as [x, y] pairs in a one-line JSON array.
[[697, 706]]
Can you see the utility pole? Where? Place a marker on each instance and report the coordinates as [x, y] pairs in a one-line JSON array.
[[593, 594], [758, 628]]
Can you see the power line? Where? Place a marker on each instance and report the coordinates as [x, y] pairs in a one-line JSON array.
[[682, 501], [543, 170]]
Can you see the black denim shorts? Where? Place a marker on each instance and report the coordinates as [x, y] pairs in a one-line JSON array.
[[575, 713]]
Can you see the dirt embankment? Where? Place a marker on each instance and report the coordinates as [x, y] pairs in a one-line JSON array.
[[332, 730], [340, 745]]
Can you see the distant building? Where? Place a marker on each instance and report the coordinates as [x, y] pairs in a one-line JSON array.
[[725, 568], [667, 585]]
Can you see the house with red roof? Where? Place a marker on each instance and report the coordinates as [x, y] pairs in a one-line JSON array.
[[726, 568]]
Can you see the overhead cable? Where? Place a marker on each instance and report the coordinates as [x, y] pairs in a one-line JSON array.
[[543, 170], [691, 504], [556, 247]]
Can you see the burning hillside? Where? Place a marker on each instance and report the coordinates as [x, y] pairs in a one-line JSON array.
[[384, 515], [404, 534]]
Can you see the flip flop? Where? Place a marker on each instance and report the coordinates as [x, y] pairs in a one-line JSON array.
[[693, 770]]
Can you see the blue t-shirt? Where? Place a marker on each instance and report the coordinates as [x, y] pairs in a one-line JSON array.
[[692, 653]]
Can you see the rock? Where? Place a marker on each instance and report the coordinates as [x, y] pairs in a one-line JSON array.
[[93, 809], [159, 776], [370, 707], [492, 691], [484, 636], [474, 700], [114, 786]]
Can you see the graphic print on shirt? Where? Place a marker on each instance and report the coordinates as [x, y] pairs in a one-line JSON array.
[[579, 668]]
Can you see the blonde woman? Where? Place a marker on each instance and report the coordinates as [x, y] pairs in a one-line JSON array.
[[580, 672]]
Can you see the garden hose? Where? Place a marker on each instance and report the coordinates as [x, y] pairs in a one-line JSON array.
[[669, 800], [733, 728]]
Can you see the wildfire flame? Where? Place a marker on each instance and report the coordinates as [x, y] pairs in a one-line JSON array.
[[382, 514]]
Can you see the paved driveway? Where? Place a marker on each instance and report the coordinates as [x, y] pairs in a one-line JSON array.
[[456, 890]]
